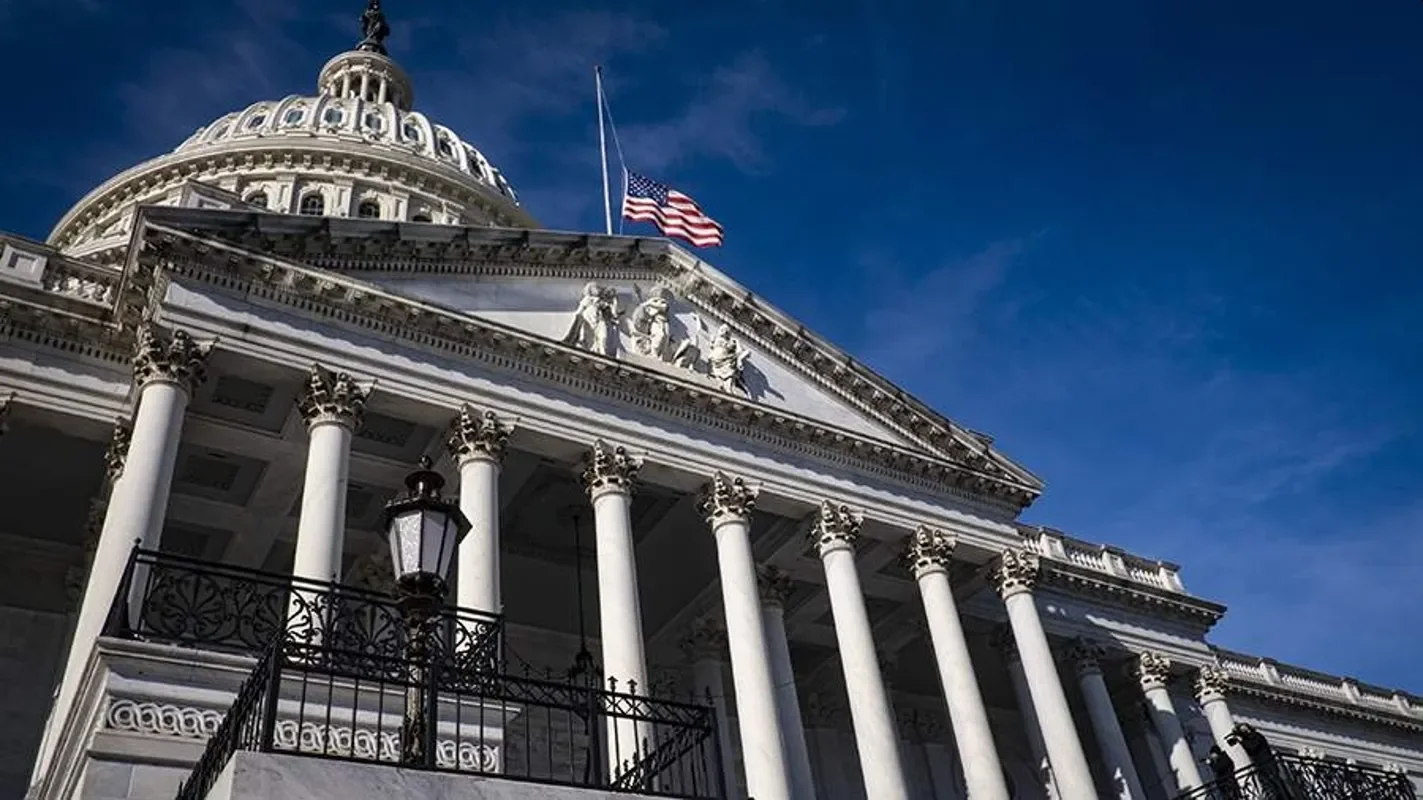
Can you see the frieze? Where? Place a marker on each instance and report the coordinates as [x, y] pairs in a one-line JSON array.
[[469, 336]]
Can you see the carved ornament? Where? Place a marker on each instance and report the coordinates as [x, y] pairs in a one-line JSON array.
[[1017, 571], [1087, 655], [775, 585], [1211, 680], [1006, 645], [834, 527], [726, 498], [476, 435], [117, 455], [927, 550], [169, 358], [331, 397], [608, 468], [1153, 669], [705, 640]]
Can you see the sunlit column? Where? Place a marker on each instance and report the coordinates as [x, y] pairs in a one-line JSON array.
[[927, 555], [477, 443], [167, 368], [834, 532], [775, 587], [1154, 670], [1087, 656], [332, 404], [1015, 576], [609, 474], [1212, 682]]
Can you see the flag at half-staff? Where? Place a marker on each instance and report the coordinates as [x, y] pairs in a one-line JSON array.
[[674, 213]]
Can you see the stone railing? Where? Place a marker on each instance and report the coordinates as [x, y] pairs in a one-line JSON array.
[[1105, 559], [1329, 687], [39, 268]]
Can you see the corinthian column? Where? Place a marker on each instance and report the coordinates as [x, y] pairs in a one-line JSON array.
[[332, 405], [727, 503], [1115, 753], [1154, 670], [609, 474], [834, 532], [775, 586], [167, 368], [703, 647], [1015, 577], [1212, 682], [477, 443], [927, 556]]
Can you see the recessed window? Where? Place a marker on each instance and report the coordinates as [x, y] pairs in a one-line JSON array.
[[375, 122], [313, 204], [294, 116], [256, 122], [368, 209], [334, 115], [220, 132], [411, 132], [257, 199], [420, 218], [445, 148]]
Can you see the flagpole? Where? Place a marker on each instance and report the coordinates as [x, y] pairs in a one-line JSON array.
[[603, 153]]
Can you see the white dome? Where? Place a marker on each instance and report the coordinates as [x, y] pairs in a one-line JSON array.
[[355, 149]]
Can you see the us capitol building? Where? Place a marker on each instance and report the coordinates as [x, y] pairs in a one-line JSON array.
[[709, 553]]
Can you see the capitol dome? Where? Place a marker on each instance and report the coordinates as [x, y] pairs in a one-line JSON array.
[[356, 148]]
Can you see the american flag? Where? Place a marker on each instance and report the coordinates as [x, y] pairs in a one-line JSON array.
[[674, 213]]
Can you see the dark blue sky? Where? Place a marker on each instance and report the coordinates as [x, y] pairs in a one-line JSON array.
[[1167, 253]]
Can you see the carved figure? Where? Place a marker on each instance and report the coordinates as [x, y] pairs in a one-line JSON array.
[[727, 359], [595, 321], [651, 327], [374, 29]]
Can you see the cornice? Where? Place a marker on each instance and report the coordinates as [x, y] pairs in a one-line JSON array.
[[1156, 602], [351, 159], [1283, 697], [350, 246], [165, 251]]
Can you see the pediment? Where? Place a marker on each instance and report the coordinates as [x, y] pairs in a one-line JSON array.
[[599, 296]]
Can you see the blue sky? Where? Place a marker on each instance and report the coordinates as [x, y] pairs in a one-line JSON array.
[[1167, 253]]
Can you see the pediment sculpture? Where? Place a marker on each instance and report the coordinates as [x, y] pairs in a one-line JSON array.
[[652, 332]]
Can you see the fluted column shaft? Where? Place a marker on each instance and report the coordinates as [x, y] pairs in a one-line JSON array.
[[927, 556], [332, 405], [727, 504], [1154, 671], [1211, 684], [1014, 578], [775, 588], [1126, 784], [834, 533], [609, 474], [477, 443], [167, 368]]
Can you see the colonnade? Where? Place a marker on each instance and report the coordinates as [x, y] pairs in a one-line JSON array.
[[772, 735]]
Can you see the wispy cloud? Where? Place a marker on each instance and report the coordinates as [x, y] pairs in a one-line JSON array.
[[720, 122]]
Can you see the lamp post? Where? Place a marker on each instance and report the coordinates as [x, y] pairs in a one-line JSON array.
[[424, 531]]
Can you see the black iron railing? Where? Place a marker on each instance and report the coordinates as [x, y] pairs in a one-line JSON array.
[[1291, 777], [314, 700], [184, 601]]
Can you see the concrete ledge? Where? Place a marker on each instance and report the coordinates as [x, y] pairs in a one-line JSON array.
[[261, 776]]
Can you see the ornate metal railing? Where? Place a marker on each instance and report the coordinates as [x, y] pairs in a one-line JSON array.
[[1291, 777], [315, 700], [184, 601]]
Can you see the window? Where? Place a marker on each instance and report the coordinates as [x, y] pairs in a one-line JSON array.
[[257, 199], [445, 149], [421, 218], [375, 122], [256, 122], [220, 132], [368, 209], [334, 115], [294, 116], [411, 132], [313, 204]]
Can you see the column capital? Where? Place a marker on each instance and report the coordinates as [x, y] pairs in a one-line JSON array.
[[609, 469], [834, 527], [726, 498], [174, 358], [1017, 572], [1006, 645], [117, 454], [1212, 682], [331, 397], [1087, 656], [1153, 670], [706, 640], [927, 550], [474, 435], [775, 585]]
